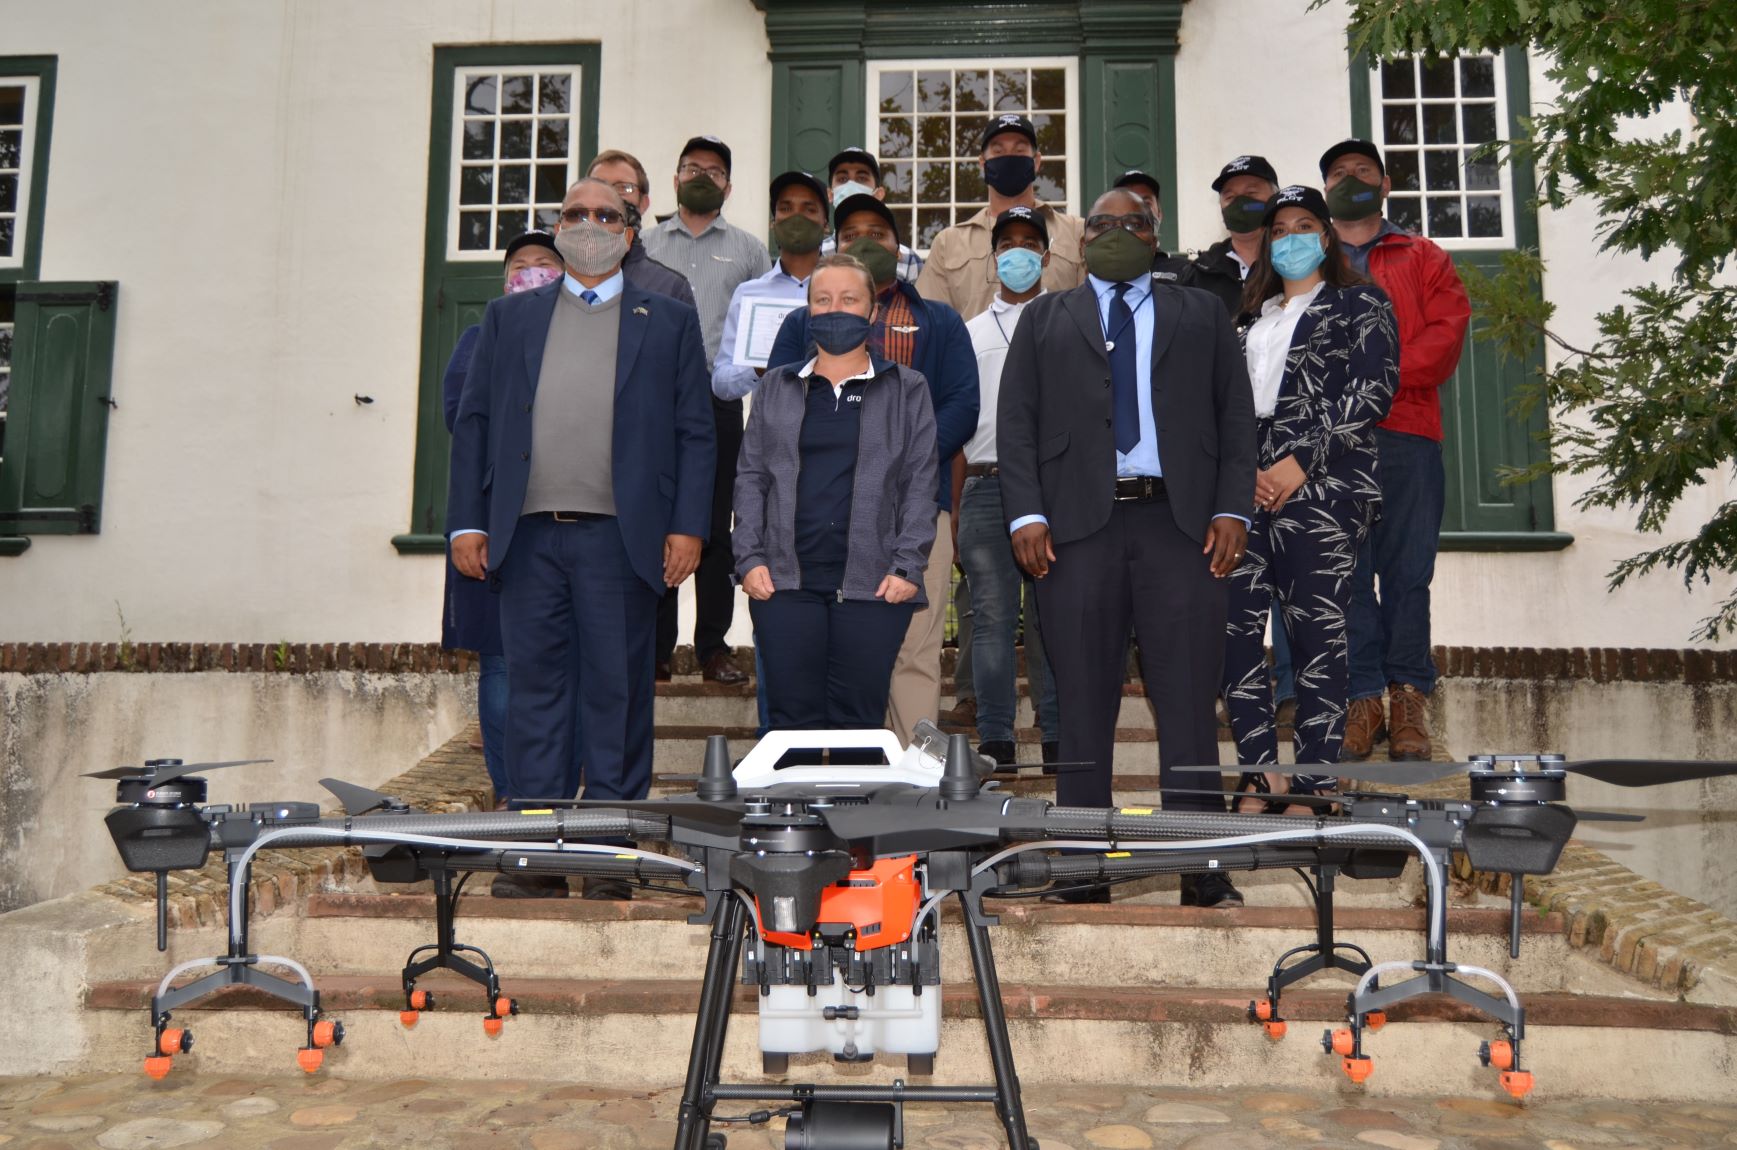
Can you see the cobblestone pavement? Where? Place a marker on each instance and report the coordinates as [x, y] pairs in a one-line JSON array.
[[129, 1113]]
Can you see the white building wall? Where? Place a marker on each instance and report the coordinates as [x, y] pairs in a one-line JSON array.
[[255, 177]]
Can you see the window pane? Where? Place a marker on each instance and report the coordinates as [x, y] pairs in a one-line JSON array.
[[548, 219], [1480, 123], [1478, 76], [934, 91], [514, 186], [473, 231], [11, 104], [1439, 124], [1444, 217], [1484, 216], [895, 140], [479, 96], [1405, 213], [968, 181], [552, 139], [551, 183], [516, 96], [509, 226], [1049, 88], [934, 183], [1399, 124], [6, 234], [896, 92], [553, 94], [1438, 79], [1482, 174], [930, 223], [476, 186], [11, 148], [903, 216], [515, 139], [1012, 90], [1052, 181], [934, 136], [896, 179], [1399, 80], [8, 193], [968, 135], [479, 140], [1402, 170], [1441, 171], [972, 92], [1052, 134]]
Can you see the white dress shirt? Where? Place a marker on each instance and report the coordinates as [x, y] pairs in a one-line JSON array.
[[1269, 345], [730, 380], [990, 333]]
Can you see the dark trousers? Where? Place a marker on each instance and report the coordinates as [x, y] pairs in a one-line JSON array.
[[827, 663], [577, 623], [714, 594], [1390, 640], [1139, 569], [1303, 558]]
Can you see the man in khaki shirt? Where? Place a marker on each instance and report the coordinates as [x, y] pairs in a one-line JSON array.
[[960, 271]]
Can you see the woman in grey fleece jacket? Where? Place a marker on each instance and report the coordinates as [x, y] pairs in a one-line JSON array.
[[835, 513]]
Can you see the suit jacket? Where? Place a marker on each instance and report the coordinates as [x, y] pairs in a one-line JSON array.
[[1340, 376], [665, 446], [643, 271], [471, 616], [1054, 440]]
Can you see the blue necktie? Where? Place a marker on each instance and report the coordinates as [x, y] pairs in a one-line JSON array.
[[590, 297], [1124, 372]]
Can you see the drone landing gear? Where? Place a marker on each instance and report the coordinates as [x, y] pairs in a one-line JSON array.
[[237, 968], [1325, 953], [874, 1115], [448, 956]]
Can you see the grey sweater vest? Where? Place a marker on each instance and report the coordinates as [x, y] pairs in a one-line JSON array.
[[573, 417]]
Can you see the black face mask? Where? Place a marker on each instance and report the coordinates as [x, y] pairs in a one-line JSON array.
[[798, 235], [1009, 175], [1352, 199], [1244, 214]]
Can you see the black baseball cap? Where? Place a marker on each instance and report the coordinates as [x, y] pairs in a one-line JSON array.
[[1135, 176], [862, 202], [1019, 214], [1298, 196], [539, 239], [708, 144], [1245, 166], [854, 155], [1351, 147], [805, 179], [1007, 122]]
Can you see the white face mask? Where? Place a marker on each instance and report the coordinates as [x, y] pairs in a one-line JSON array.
[[844, 192]]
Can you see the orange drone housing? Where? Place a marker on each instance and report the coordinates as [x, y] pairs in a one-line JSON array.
[[879, 903]]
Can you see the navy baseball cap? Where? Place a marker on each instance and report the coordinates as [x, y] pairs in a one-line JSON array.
[[1019, 214], [708, 144], [862, 202], [1351, 148], [803, 179], [1298, 196]]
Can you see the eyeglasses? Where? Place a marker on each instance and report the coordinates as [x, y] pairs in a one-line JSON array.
[[717, 175], [1140, 224], [626, 188], [608, 217]]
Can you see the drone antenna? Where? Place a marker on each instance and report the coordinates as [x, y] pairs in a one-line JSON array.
[[959, 778], [717, 782]]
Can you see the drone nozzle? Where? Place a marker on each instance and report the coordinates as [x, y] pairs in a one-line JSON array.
[[717, 782], [959, 778]]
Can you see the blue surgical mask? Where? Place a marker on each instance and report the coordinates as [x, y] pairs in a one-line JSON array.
[[844, 192], [1018, 269], [838, 332], [1296, 255]]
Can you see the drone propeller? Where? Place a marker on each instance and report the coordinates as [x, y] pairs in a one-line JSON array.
[[358, 800], [159, 773], [1608, 817], [1618, 772]]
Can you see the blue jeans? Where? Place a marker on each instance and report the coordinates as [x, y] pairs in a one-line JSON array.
[[997, 584], [491, 708], [1390, 641]]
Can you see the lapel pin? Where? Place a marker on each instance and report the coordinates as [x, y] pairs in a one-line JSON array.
[[641, 311]]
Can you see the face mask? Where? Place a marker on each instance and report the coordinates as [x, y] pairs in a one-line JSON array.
[[530, 278], [1352, 199], [1018, 269], [700, 196], [1118, 255], [590, 249], [1009, 175], [1244, 214], [881, 263], [798, 235], [1297, 255], [845, 191], [838, 332]]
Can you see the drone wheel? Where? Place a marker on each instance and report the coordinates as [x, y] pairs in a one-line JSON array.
[[1375, 1019], [1261, 1011], [409, 1017], [421, 1000], [1357, 1070], [309, 1058], [492, 1027], [506, 1007], [328, 1034], [1275, 1029], [172, 1042], [158, 1066], [1499, 1054], [1343, 1044], [1517, 1083]]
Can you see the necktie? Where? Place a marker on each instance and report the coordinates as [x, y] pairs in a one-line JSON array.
[[1124, 372], [590, 297]]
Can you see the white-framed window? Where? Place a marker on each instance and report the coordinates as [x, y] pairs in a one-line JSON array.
[[1431, 116], [515, 152], [926, 118], [17, 147]]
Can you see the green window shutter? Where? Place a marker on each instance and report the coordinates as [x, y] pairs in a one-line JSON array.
[[51, 478]]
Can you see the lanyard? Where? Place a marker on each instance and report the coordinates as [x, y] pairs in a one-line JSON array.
[[1109, 336]]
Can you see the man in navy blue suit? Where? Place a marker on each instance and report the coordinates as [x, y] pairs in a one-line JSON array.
[[581, 487]]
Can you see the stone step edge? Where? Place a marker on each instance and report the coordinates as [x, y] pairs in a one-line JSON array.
[[1193, 1005], [1462, 921]]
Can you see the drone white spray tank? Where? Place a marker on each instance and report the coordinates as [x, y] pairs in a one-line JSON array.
[[860, 981]]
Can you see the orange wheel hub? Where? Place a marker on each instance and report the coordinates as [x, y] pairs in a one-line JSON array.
[[158, 1066], [1342, 1043], [171, 1042], [309, 1059], [409, 1017], [1275, 1030], [506, 1007], [1502, 1055], [421, 1000], [326, 1034], [1263, 1011]]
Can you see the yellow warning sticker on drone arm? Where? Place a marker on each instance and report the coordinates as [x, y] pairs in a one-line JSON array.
[[1135, 811], [1119, 855], [543, 811]]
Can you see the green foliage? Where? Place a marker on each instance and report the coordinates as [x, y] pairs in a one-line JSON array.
[[1649, 409]]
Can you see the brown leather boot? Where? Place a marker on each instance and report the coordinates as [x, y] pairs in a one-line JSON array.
[[1363, 729], [1409, 725]]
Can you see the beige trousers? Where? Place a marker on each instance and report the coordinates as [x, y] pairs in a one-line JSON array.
[[916, 690]]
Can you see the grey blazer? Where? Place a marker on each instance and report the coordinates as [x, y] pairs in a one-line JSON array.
[[892, 504]]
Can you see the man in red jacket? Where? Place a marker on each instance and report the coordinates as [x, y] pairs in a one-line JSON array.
[[1390, 639]]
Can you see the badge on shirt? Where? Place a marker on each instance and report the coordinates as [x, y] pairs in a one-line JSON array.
[[905, 329], [724, 259]]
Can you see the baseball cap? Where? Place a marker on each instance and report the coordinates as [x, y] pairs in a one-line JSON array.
[[708, 144], [1348, 148], [1135, 176], [1018, 214], [805, 179], [854, 155], [1298, 196], [533, 238], [1245, 166], [865, 203], [1008, 122]]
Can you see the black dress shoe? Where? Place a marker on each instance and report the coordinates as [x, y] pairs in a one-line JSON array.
[[1006, 758], [606, 890], [1212, 889], [1052, 752], [661, 672], [719, 669], [529, 886], [1089, 894]]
